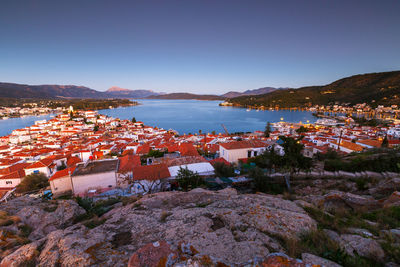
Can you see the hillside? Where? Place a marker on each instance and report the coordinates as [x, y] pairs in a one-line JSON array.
[[259, 91], [187, 96], [13, 90], [374, 88]]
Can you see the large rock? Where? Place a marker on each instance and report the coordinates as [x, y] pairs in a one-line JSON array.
[[365, 247], [335, 200], [24, 256], [44, 222], [318, 261], [280, 260], [393, 200], [385, 187], [154, 254]]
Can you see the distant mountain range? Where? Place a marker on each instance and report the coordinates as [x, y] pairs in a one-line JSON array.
[[376, 88], [118, 92], [13, 90], [230, 94]]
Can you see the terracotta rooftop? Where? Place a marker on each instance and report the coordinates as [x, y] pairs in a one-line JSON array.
[[62, 173], [151, 172], [243, 144], [128, 162]]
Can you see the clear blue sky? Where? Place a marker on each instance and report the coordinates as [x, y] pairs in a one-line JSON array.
[[201, 46]]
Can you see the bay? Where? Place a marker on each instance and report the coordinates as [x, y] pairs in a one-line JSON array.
[[184, 116], [190, 116], [7, 126]]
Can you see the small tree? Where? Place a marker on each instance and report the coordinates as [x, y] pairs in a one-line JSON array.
[[259, 179], [385, 142], [302, 129], [188, 179], [133, 120], [293, 160], [263, 183], [33, 182], [267, 131], [223, 170], [96, 128]]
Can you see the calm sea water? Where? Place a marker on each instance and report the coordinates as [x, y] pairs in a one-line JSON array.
[[184, 116], [7, 126], [190, 116]]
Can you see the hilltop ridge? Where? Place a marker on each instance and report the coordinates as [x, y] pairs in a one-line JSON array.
[[372, 88]]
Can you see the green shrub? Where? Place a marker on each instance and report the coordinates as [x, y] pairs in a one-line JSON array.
[[33, 182], [223, 170], [361, 184], [188, 179], [263, 183]]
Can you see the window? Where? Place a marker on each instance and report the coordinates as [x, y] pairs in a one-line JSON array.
[[255, 153], [8, 182], [249, 154]]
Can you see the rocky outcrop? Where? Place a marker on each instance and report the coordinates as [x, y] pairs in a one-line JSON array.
[[335, 200], [356, 244], [225, 226], [154, 254], [393, 200], [24, 256], [313, 260], [365, 247], [44, 222]]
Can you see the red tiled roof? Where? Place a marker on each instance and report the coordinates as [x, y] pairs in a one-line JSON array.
[[62, 173], [127, 163], [187, 149], [370, 142], [151, 172], [143, 149], [243, 144], [73, 161], [220, 160], [13, 168], [38, 164], [14, 175]]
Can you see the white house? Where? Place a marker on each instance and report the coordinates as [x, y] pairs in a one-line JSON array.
[[150, 178], [61, 182], [95, 176], [233, 151], [42, 166]]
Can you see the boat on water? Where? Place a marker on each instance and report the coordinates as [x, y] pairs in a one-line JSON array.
[[248, 109]]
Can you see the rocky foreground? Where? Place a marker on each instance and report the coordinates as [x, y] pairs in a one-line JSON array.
[[197, 228]]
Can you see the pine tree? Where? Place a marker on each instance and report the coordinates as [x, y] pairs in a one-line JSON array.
[[267, 130], [385, 142]]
